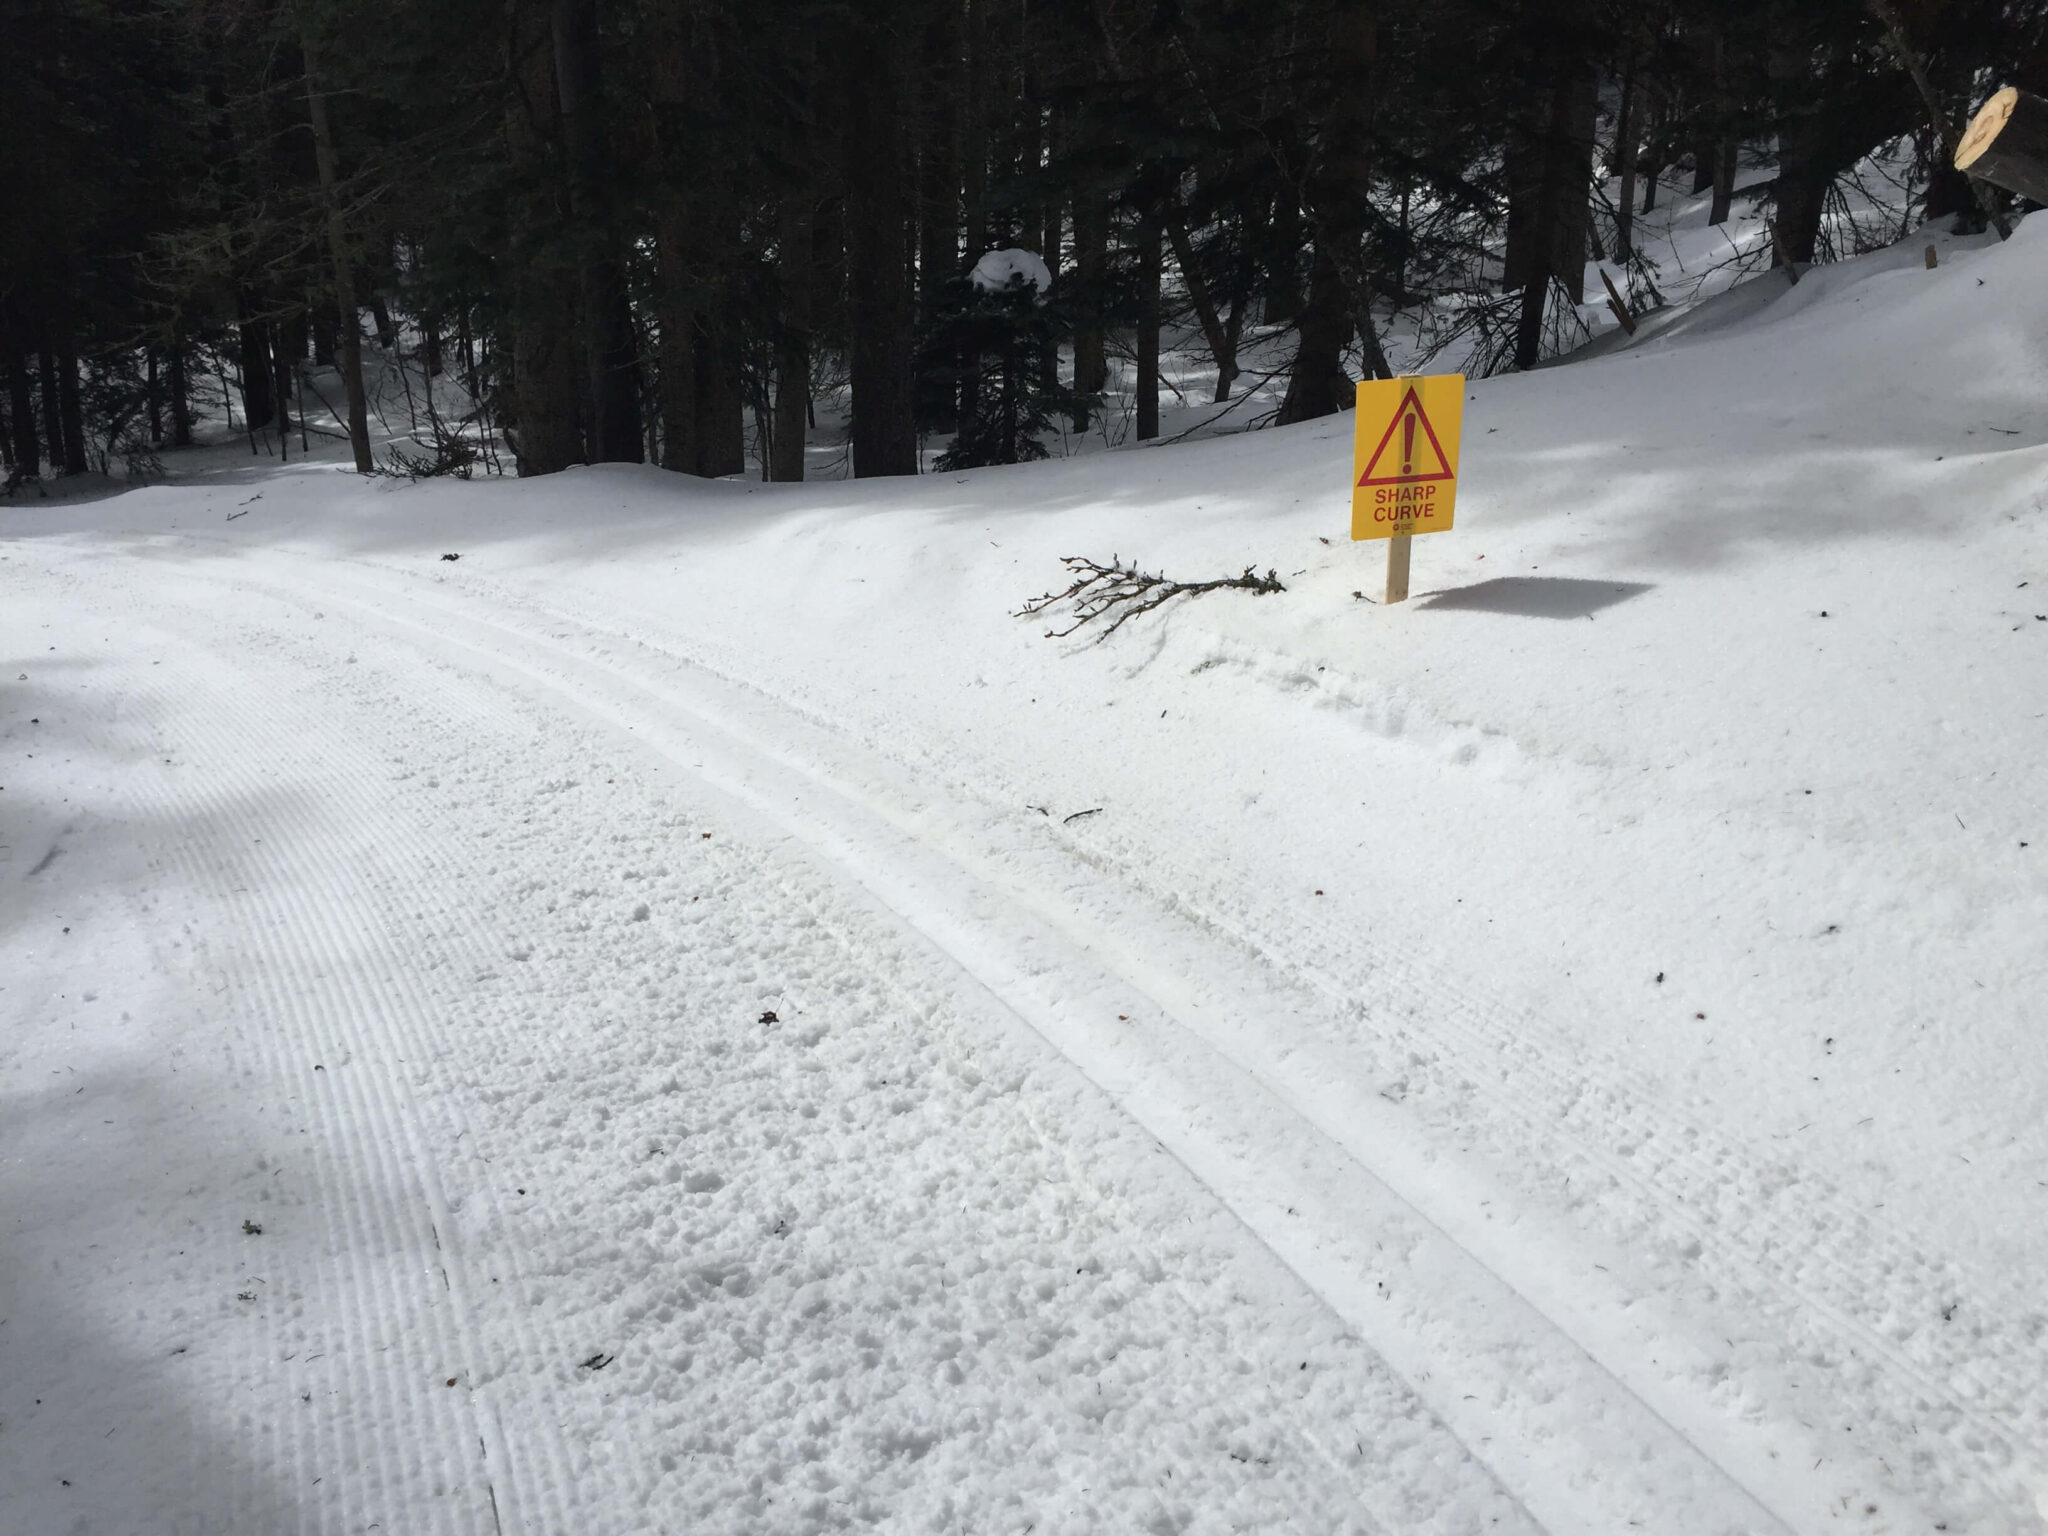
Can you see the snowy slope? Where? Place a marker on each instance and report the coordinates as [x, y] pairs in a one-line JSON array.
[[1564, 1053]]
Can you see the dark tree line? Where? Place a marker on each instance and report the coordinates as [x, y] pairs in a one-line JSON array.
[[656, 229]]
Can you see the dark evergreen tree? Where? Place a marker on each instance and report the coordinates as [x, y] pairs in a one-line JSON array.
[[1009, 335], [623, 228]]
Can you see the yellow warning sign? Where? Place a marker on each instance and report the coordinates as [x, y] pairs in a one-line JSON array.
[[1405, 462]]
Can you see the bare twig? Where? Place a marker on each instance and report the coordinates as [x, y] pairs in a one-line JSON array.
[[1120, 592], [449, 451]]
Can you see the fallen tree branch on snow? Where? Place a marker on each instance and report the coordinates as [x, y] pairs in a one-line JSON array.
[[1120, 592]]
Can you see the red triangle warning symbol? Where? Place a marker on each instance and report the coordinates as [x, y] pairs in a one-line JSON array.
[[1409, 453]]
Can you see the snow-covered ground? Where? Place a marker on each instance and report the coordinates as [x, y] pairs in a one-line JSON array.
[[691, 1017]]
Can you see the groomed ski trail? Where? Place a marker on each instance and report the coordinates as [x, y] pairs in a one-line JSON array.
[[342, 928], [1579, 1424]]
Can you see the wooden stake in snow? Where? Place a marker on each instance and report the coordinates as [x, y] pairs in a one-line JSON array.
[[1397, 567], [1619, 305], [2007, 144]]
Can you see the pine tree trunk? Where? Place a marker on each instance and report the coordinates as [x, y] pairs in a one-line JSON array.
[[1725, 160], [1049, 361], [181, 397], [612, 356], [1528, 266], [1340, 296], [53, 417], [1627, 134], [1529, 321], [154, 390], [1148, 253], [699, 261], [1051, 227], [1403, 246], [1655, 154], [1376, 364], [672, 66], [1716, 137], [337, 251], [793, 340], [721, 403], [21, 410], [939, 216], [70, 409], [883, 354], [1318, 384], [1556, 150], [1222, 343], [974, 140], [253, 353], [1705, 154], [1524, 163], [712, 256], [1800, 192], [546, 387], [675, 330], [1280, 300], [1948, 192], [1574, 148], [281, 375], [676, 396], [1281, 294], [1091, 265], [546, 429]]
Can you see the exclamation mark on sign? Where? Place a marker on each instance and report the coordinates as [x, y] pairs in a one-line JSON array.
[[1408, 444]]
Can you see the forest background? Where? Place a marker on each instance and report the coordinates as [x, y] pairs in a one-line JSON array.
[[662, 230]]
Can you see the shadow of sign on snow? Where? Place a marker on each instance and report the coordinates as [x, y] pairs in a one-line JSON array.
[[1537, 597]]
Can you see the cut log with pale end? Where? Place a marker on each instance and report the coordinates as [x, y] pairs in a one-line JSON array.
[[2007, 144]]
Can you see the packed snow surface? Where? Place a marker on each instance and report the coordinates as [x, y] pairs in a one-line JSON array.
[[691, 1017]]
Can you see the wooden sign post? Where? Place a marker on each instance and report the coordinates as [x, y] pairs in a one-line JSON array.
[[1397, 567], [1404, 472]]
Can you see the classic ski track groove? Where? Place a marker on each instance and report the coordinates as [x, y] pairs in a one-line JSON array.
[[381, 1128], [209, 860], [1590, 1383], [1780, 1221], [1332, 1459], [1307, 1516], [400, 1012], [292, 943], [299, 939], [1671, 1159]]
